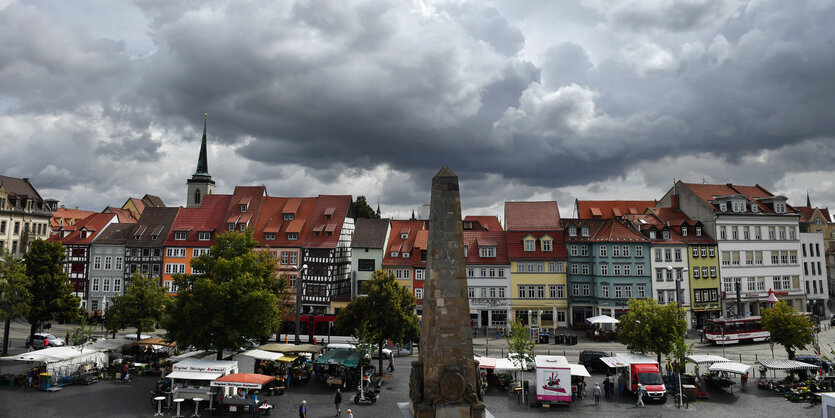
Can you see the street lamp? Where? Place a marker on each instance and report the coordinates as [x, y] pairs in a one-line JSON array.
[[678, 304], [301, 271]]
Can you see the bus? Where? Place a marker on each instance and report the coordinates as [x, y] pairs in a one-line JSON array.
[[734, 330]]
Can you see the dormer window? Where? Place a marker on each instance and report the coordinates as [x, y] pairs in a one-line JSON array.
[[585, 231], [180, 235], [666, 234], [723, 207], [329, 212], [394, 254], [572, 231], [269, 236], [231, 226], [204, 236], [406, 255], [651, 234], [530, 245], [292, 236], [83, 233], [289, 216], [546, 245], [489, 252], [738, 206], [242, 227], [404, 236], [684, 231], [779, 207], [754, 207], [243, 208], [698, 231]]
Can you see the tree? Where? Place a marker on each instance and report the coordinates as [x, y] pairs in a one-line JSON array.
[[51, 290], [82, 334], [388, 309], [652, 328], [519, 344], [238, 297], [363, 210], [141, 306], [788, 328], [14, 293]]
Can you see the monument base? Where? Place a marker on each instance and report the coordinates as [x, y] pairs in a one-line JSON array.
[[443, 411]]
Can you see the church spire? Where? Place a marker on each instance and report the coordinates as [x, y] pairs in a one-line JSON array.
[[378, 208], [808, 201], [202, 161]]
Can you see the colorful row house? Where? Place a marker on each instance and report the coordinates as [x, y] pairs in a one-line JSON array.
[[405, 257], [488, 271]]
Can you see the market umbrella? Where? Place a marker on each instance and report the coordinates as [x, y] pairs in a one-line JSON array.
[[602, 319], [243, 380], [771, 298]]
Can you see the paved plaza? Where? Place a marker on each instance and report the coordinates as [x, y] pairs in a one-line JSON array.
[[110, 398]]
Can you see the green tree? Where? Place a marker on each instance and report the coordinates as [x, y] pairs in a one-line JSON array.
[[519, 344], [652, 328], [51, 290], [82, 334], [236, 298], [14, 293], [387, 309], [363, 210], [141, 306], [788, 328]]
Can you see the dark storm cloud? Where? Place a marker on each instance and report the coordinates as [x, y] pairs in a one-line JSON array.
[[519, 98]]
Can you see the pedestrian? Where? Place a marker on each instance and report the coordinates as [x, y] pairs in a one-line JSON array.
[[573, 391], [31, 376], [391, 364], [607, 387], [596, 393], [701, 335], [67, 339], [338, 401], [744, 380], [303, 410], [126, 369], [640, 396], [350, 414], [289, 378]]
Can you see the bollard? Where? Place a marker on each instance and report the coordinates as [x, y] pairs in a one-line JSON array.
[[740, 357]]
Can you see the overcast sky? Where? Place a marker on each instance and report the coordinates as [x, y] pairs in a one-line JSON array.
[[524, 99]]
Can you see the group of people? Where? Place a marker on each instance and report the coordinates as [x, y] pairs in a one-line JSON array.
[[304, 409]]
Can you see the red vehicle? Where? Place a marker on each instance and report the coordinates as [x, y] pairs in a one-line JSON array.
[[640, 369], [734, 330]]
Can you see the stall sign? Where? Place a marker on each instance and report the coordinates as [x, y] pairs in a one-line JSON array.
[[236, 385], [196, 368]]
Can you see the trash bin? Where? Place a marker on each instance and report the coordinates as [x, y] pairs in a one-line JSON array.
[[559, 338], [571, 339], [543, 338]]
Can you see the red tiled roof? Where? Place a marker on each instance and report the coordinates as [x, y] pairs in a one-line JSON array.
[[422, 239], [330, 210], [292, 205], [295, 226], [516, 246], [124, 215], [590, 209], [415, 228], [677, 218], [210, 216], [92, 224], [709, 192], [484, 241], [270, 219], [806, 213], [69, 216], [488, 222], [140, 205], [532, 216], [472, 240]]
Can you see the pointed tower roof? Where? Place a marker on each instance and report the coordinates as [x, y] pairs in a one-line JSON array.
[[378, 207], [808, 201], [202, 161]]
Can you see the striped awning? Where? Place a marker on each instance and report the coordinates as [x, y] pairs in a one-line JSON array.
[[776, 364]]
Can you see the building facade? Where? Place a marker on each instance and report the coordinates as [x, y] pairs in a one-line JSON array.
[[488, 271], [813, 257], [24, 215], [107, 269], [367, 247]]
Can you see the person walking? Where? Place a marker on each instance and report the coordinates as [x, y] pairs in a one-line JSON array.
[[621, 383], [126, 369], [303, 410], [338, 401], [640, 396], [350, 414], [607, 387], [744, 380], [31, 376], [391, 363], [573, 391], [596, 392]]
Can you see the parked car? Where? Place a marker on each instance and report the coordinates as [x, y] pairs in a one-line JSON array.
[[43, 339], [817, 361], [591, 360]]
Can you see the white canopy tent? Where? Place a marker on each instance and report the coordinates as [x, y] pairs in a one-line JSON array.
[[247, 359], [730, 367], [706, 359], [787, 365], [579, 370], [602, 319], [59, 360]]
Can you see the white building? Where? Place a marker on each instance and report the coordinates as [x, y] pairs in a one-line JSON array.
[[814, 272], [488, 271], [24, 215], [758, 242]]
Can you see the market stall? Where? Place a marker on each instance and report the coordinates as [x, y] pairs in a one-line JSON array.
[[191, 378], [800, 388], [57, 366], [339, 367], [701, 382], [240, 391]]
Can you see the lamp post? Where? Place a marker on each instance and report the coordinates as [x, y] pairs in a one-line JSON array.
[[678, 304], [301, 271]]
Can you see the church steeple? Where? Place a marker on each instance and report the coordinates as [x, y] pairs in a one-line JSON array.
[[202, 160], [378, 208], [808, 201], [200, 184]]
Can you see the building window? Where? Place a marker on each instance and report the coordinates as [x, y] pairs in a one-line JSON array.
[[584, 250], [419, 293], [575, 269], [696, 274], [573, 250], [668, 254], [627, 270], [105, 285], [487, 251], [616, 270], [615, 251], [586, 290], [639, 270], [695, 251], [666, 234], [117, 285], [572, 231], [604, 270], [659, 275], [585, 231], [118, 264], [530, 245], [603, 251], [575, 290], [95, 285], [292, 236], [684, 231], [642, 293], [658, 254], [546, 246], [661, 294], [269, 236], [604, 290], [639, 251], [419, 274], [363, 264], [97, 262], [618, 292], [651, 234], [174, 252], [584, 269], [470, 272], [180, 235], [108, 263], [678, 254], [625, 250]]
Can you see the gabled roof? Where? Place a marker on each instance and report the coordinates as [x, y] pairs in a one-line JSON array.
[[152, 201], [490, 238], [753, 194], [532, 216], [123, 214], [92, 224], [677, 219], [486, 223], [331, 211], [210, 216], [154, 226], [516, 245], [601, 209], [251, 196], [116, 234], [418, 234], [370, 233], [17, 189], [66, 217], [807, 213]]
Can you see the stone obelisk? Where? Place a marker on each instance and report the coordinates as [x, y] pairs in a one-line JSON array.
[[445, 381]]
